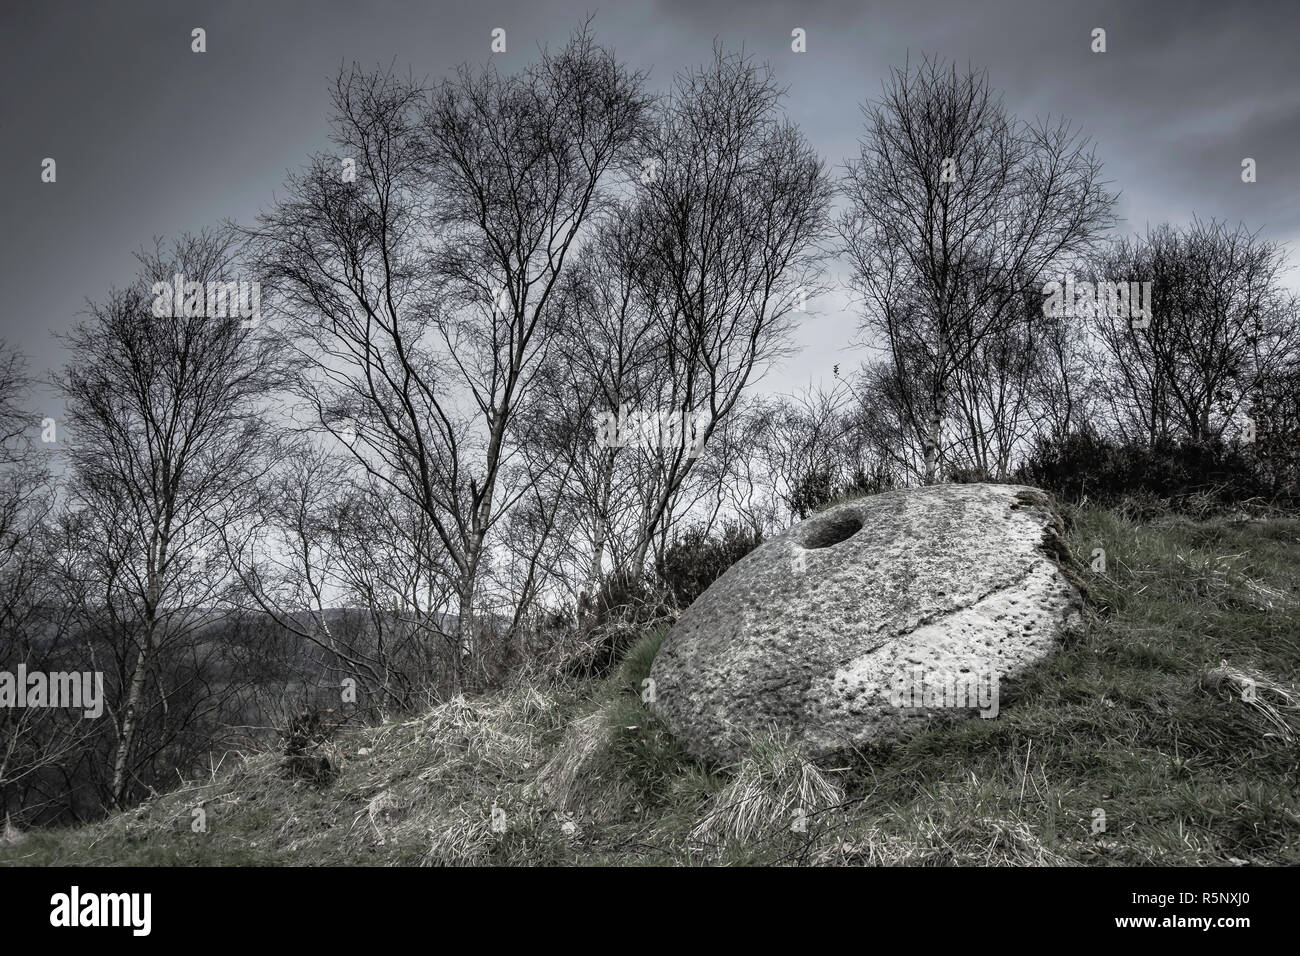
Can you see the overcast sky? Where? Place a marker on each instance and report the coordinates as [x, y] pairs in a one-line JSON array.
[[153, 139]]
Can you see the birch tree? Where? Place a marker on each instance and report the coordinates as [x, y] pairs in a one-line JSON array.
[[954, 204], [164, 427]]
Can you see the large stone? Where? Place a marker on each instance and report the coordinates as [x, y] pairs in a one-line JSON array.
[[842, 630]]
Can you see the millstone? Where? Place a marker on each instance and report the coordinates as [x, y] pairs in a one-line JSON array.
[[851, 625]]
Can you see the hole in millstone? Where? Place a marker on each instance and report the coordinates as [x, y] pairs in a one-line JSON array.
[[832, 531]]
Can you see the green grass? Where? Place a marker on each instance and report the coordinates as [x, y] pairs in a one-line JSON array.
[[1176, 713]]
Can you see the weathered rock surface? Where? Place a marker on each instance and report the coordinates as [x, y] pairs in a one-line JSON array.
[[838, 631]]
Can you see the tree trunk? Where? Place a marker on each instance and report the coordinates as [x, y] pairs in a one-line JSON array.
[[934, 425], [932, 447], [130, 719], [637, 565], [464, 660], [591, 587]]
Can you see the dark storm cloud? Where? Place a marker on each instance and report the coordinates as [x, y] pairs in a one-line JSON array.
[[152, 139]]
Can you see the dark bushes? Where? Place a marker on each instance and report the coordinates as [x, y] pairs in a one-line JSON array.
[[305, 752], [1142, 481], [627, 606], [696, 559]]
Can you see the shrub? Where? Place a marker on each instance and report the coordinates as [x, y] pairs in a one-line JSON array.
[[1144, 481], [625, 607], [696, 559], [307, 754], [819, 489]]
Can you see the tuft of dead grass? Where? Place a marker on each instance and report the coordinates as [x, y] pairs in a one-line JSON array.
[[559, 779], [1276, 706], [775, 789]]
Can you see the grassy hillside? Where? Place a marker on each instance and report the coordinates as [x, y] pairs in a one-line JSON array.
[[1177, 714]]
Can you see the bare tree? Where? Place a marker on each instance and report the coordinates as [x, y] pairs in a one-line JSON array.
[[737, 203], [1220, 326], [418, 296], [1063, 399], [893, 393], [1275, 412], [25, 498], [36, 625], [995, 394], [608, 360], [954, 206], [346, 569], [165, 425], [806, 445]]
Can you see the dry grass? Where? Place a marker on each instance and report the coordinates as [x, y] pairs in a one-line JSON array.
[[561, 776], [774, 789], [1166, 734], [1275, 705]]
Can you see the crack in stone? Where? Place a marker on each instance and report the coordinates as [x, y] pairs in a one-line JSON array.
[[943, 615]]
